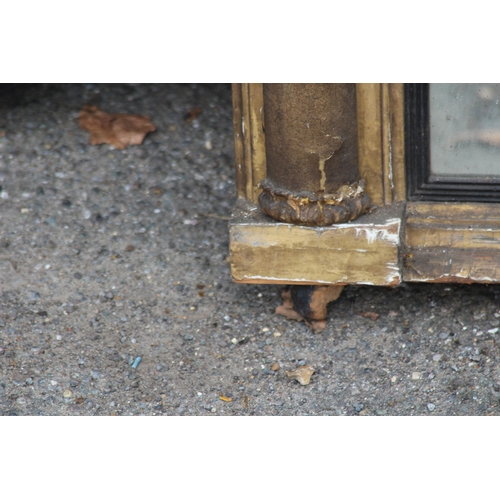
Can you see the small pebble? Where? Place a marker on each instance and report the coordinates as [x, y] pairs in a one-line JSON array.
[[437, 357], [208, 145], [59, 337], [29, 381], [275, 367], [67, 394], [431, 407], [493, 330], [416, 376]]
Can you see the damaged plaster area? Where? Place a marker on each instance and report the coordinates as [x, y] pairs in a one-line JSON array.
[[314, 209]]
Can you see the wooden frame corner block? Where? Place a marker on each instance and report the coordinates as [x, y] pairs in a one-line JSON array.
[[364, 251]]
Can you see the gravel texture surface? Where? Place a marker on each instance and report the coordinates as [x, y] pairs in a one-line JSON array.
[[116, 296]]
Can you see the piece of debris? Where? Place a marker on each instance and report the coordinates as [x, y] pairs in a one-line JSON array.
[[135, 364], [275, 367], [286, 309], [117, 129], [317, 303], [302, 374], [370, 315], [156, 190], [192, 114], [225, 398]]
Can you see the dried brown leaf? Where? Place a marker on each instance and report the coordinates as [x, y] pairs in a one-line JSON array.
[[192, 114], [118, 129], [286, 309], [370, 315]]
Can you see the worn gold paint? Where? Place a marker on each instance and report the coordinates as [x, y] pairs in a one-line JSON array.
[[250, 153], [364, 251], [452, 242], [380, 114]]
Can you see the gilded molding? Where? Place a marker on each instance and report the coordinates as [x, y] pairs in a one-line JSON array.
[[310, 209]]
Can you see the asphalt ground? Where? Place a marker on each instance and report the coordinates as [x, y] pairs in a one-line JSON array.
[[108, 256]]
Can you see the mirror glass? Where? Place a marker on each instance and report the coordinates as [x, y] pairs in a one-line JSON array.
[[464, 129]]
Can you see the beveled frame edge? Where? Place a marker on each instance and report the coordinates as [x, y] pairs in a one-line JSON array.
[[249, 139], [380, 115], [450, 242]]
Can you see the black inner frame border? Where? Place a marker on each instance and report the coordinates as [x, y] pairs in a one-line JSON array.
[[421, 185]]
